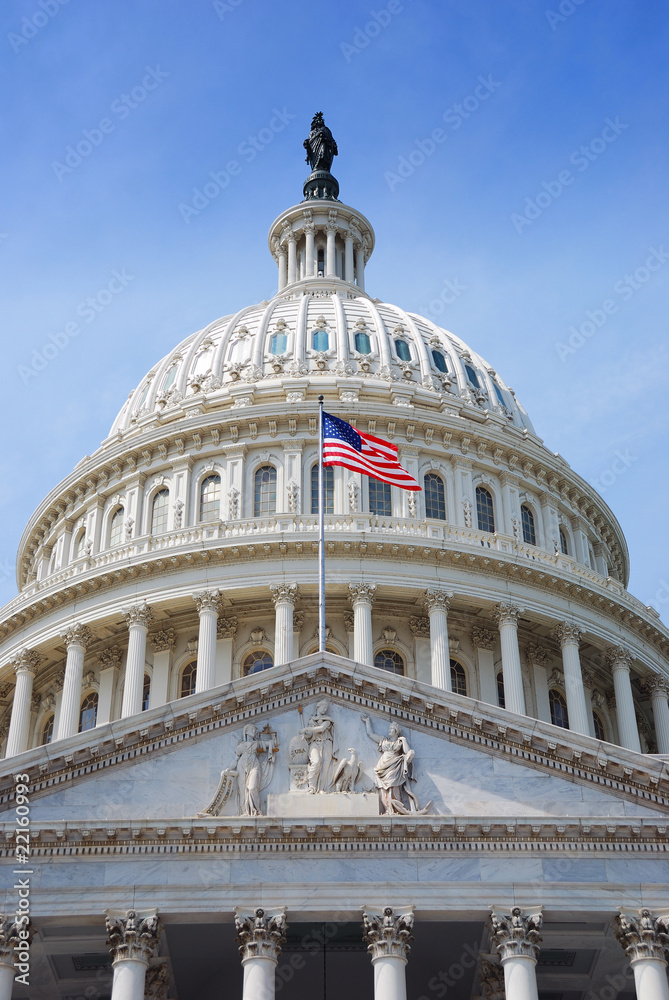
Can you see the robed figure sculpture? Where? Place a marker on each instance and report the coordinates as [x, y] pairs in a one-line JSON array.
[[320, 145]]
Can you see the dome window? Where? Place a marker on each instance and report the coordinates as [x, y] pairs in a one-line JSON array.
[[321, 340], [388, 659], [188, 678], [146, 691], [362, 343], [458, 678], [500, 690], [159, 512], [80, 549], [328, 488], [256, 661], [500, 395], [278, 343], [527, 520], [564, 544], [142, 398], [47, 730], [168, 381], [598, 724], [559, 716], [485, 512], [472, 377], [321, 263], [264, 491], [440, 362], [403, 349], [116, 527], [435, 496], [210, 498], [380, 500], [88, 715]]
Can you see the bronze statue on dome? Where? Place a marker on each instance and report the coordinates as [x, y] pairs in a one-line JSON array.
[[320, 145]]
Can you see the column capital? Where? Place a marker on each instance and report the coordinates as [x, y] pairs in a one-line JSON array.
[[361, 593], [438, 600], [110, 657], [77, 635], [27, 660], [138, 614], [163, 640], [507, 614], [9, 937], [483, 638], [644, 936], [226, 628], [349, 622], [567, 632], [207, 600], [516, 933], [491, 978], [618, 658], [132, 937], [260, 936], [388, 935], [656, 684], [284, 593], [420, 626], [536, 655]]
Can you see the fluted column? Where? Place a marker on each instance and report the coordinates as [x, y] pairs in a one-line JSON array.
[[620, 661], [138, 618], [292, 258], [284, 596], [644, 940], [361, 596], [133, 940], [77, 638], [208, 603], [569, 637], [516, 938], [309, 249], [13, 933], [330, 267], [283, 268], [360, 266], [348, 258], [506, 616], [25, 667], [388, 937], [259, 938], [659, 691], [437, 603]]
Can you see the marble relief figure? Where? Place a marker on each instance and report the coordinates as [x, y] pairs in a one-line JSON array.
[[251, 773], [394, 770], [318, 734]]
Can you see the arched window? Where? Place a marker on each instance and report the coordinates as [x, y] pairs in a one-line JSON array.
[[321, 262], [498, 392], [278, 343], [380, 501], [403, 350], [88, 714], [564, 544], [527, 520], [159, 511], [210, 498], [388, 659], [80, 547], [170, 377], [558, 706], [598, 723], [500, 689], [472, 377], [146, 692], [256, 661], [116, 526], [264, 491], [47, 730], [435, 496], [458, 678], [328, 488], [440, 362], [485, 513], [321, 340], [188, 676], [362, 343]]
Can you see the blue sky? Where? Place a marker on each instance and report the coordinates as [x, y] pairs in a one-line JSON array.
[[544, 198]]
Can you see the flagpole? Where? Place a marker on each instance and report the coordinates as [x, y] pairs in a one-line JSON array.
[[321, 534]]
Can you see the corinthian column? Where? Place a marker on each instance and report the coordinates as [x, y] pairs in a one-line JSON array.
[[620, 661], [437, 603], [284, 596], [569, 637], [388, 938], [361, 596], [76, 639], [134, 942], [506, 616], [12, 934], [645, 940], [659, 690], [138, 618], [208, 603], [516, 938], [25, 666], [259, 938]]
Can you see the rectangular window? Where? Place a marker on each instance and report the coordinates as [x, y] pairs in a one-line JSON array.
[[380, 501], [328, 489]]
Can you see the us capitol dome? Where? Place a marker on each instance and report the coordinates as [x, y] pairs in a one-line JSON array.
[[488, 724]]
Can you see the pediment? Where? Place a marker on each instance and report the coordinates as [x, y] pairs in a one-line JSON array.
[[470, 759]]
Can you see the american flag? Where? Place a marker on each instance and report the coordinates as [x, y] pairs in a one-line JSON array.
[[344, 445]]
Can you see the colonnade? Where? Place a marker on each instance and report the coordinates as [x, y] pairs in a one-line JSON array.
[[134, 939], [139, 618]]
